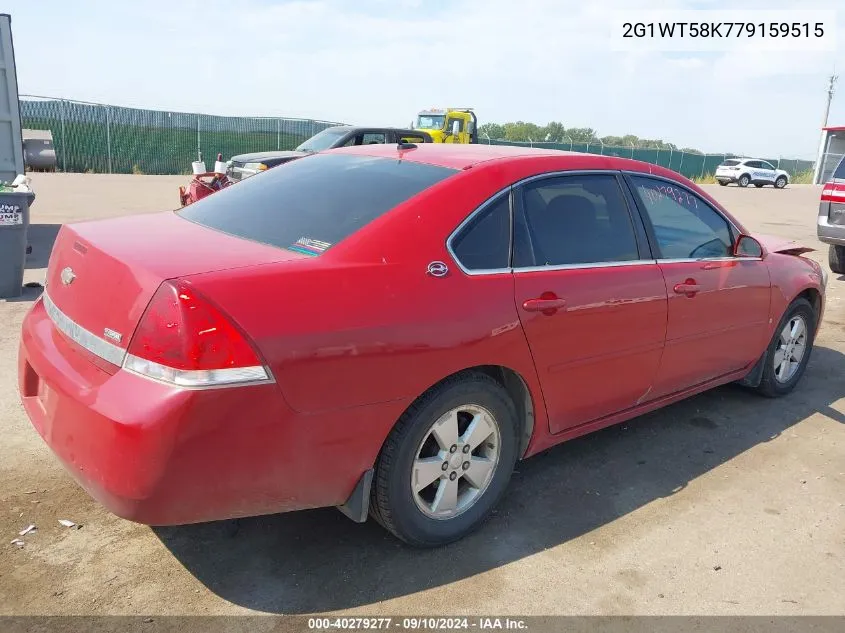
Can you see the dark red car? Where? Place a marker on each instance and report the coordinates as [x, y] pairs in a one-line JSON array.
[[388, 329]]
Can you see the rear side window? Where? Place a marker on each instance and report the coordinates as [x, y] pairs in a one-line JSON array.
[[484, 243], [312, 203], [839, 173]]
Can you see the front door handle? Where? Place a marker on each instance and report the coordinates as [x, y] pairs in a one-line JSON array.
[[543, 305], [688, 288]]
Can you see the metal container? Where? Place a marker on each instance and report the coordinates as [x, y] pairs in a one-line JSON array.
[[39, 152], [14, 225]]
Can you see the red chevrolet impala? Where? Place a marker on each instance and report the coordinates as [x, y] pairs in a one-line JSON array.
[[388, 329]]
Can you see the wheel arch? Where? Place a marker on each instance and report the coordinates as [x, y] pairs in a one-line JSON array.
[[515, 386], [814, 296]]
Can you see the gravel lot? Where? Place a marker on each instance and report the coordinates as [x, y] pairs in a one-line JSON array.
[[727, 503]]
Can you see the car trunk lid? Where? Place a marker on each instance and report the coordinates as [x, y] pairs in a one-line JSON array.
[[102, 274]]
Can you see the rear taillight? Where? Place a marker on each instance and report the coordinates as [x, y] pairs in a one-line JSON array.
[[184, 340], [833, 192]]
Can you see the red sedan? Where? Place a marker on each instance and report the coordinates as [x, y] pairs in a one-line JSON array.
[[388, 329]]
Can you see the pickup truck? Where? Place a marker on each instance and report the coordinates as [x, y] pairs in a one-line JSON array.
[[245, 165]]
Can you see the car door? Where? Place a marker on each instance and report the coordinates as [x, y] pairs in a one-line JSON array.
[[590, 298], [768, 172], [718, 303]]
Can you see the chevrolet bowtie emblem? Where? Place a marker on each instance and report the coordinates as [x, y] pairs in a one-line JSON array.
[[67, 275]]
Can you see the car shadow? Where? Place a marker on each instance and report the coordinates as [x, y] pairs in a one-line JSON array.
[[41, 238], [317, 561]]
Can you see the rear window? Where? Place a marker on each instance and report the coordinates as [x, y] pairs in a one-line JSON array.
[[312, 203], [839, 172], [730, 163]]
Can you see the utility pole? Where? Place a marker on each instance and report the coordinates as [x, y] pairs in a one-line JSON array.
[[830, 90]]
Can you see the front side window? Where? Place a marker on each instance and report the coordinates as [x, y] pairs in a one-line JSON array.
[[373, 138], [484, 243], [685, 226], [578, 219], [314, 202], [768, 166]]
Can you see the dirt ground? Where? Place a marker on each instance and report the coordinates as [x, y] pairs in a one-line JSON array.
[[727, 503]]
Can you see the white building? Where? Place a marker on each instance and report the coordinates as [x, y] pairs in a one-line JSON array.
[[831, 151]]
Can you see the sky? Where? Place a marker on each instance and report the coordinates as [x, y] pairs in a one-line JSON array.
[[379, 62]]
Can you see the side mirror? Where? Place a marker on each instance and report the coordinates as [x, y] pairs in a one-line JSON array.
[[456, 127], [747, 246]]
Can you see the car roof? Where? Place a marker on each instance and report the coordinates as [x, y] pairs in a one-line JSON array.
[[462, 156], [454, 155], [367, 128]]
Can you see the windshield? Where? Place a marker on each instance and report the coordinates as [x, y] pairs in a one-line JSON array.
[[730, 163], [430, 121], [322, 140], [314, 202]]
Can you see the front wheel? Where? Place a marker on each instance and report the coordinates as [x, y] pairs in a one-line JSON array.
[[744, 180], [789, 351], [447, 462], [780, 183]]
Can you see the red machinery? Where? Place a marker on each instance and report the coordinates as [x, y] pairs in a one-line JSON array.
[[205, 183]]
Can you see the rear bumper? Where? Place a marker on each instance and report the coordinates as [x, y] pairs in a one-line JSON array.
[[725, 178], [161, 455], [830, 233]]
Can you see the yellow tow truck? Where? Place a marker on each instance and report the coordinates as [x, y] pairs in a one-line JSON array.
[[449, 125]]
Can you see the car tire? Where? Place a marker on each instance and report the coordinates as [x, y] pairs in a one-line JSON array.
[[759, 185], [744, 180], [836, 259], [723, 183], [408, 512], [780, 182], [778, 380]]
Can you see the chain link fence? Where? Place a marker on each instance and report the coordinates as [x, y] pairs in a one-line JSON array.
[[687, 163], [92, 137]]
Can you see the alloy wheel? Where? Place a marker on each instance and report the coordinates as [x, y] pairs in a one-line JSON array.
[[455, 462], [792, 345]]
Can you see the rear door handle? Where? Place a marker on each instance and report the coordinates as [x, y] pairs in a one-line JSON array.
[[688, 288], [543, 305]]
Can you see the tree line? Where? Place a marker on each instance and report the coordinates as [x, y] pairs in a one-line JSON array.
[[555, 132]]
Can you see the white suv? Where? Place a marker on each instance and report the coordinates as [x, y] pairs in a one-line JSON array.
[[746, 171]]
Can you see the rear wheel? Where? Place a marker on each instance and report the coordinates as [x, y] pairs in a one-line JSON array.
[[789, 351], [447, 462], [744, 180], [724, 183], [836, 259], [780, 183]]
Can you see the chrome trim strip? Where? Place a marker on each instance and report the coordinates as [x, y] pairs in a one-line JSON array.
[[630, 262], [81, 336], [693, 260]]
